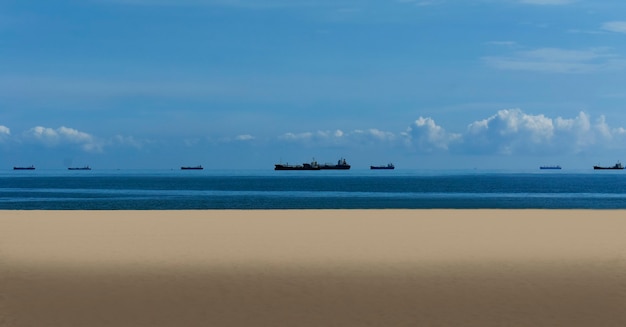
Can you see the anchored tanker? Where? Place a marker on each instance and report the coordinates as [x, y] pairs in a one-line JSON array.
[[618, 165], [305, 166], [341, 164], [24, 168], [191, 168], [79, 168]]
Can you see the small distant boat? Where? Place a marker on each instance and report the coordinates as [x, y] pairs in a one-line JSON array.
[[388, 166], [550, 167], [618, 165], [341, 164], [79, 168], [191, 168], [305, 166], [24, 168]]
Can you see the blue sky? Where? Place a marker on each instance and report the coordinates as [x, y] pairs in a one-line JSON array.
[[245, 84]]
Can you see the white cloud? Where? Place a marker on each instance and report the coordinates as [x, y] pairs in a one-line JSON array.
[[64, 135], [4, 133], [296, 136], [507, 132], [616, 26], [371, 135], [426, 135], [511, 131], [555, 60]]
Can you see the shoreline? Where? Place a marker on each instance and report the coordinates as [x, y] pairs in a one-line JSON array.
[[348, 267]]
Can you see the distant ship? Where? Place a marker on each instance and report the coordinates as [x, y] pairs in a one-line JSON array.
[[341, 164], [79, 168], [550, 167], [191, 168], [618, 165], [24, 168], [388, 166], [305, 166]]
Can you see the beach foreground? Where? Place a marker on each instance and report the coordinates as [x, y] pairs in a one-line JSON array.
[[313, 268]]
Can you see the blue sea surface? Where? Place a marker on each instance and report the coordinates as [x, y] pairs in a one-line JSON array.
[[269, 189]]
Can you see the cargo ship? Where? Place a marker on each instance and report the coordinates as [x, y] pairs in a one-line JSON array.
[[618, 165], [550, 167], [305, 166], [79, 168], [341, 164], [191, 168], [388, 166], [24, 168]]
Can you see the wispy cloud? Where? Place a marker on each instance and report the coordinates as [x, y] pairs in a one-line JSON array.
[[52, 86], [251, 4], [339, 137], [237, 138], [503, 43], [244, 137], [615, 26], [547, 2], [422, 3], [128, 141], [556, 60]]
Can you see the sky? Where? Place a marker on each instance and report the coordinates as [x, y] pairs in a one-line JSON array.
[[245, 84]]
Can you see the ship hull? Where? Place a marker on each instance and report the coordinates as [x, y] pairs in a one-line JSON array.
[[336, 167], [303, 167]]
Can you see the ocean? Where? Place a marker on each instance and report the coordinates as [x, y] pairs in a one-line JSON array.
[[269, 189]]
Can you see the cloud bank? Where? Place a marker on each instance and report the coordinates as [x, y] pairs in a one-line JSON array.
[[508, 132]]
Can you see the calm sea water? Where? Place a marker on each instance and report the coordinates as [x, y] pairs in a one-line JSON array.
[[353, 189]]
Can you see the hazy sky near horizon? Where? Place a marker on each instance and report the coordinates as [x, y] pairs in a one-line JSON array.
[[246, 84]]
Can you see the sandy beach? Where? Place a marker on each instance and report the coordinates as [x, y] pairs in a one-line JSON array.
[[313, 268]]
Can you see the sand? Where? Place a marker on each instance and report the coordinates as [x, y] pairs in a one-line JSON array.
[[313, 268]]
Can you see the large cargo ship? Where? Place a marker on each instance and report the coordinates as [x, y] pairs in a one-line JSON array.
[[388, 166], [341, 164], [618, 165], [305, 166], [24, 168], [550, 167], [191, 168], [79, 168]]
